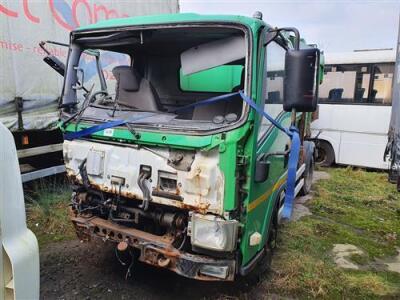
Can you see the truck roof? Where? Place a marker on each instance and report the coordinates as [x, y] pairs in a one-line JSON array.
[[173, 19]]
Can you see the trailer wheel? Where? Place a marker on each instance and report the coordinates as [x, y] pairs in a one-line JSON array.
[[325, 154]]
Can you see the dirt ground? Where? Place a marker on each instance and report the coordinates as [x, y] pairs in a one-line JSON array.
[[354, 208], [75, 270], [80, 270]]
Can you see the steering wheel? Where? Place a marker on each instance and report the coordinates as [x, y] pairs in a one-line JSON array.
[[94, 96]]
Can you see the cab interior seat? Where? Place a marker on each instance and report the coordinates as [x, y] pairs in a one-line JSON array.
[[163, 71]]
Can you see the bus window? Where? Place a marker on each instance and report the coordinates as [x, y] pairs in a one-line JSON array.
[[345, 84], [275, 70], [381, 92]]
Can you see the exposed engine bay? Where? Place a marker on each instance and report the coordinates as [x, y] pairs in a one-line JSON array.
[[148, 204]]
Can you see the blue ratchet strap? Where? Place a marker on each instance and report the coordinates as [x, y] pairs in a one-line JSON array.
[[91, 130], [292, 132]]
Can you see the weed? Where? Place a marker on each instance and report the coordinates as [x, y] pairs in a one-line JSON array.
[[47, 210], [353, 207]]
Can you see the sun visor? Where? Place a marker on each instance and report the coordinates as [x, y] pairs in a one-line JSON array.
[[213, 54]]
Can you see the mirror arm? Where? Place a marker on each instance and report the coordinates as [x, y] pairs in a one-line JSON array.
[[272, 34], [263, 165], [264, 156], [43, 43], [296, 34]]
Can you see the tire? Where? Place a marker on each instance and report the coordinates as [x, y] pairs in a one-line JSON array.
[[308, 177], [325, 154]]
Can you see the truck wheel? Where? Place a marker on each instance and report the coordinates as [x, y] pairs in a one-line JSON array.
[[308, 177], [325, 154]]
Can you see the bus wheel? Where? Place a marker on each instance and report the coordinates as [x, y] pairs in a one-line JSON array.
[[325, 154]]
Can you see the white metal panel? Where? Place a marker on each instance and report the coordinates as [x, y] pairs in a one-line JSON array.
[[19, 266], [358, 57], [359, 131], [365, 150], [371, 119]]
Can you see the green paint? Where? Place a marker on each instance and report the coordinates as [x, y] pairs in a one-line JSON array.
[[238, 147], [169, 19], [221, 79]]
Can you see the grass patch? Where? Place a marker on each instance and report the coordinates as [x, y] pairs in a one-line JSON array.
[[47, 210], [353, 207]]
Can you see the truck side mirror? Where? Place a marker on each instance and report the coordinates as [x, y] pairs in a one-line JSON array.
[[55, 63], [301, 80]]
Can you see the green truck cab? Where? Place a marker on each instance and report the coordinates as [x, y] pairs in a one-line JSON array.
[[163, 154]]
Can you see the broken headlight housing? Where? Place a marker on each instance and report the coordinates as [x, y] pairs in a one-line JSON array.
[[214, 233]]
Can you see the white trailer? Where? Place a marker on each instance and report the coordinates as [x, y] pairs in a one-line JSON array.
[[29, 90]]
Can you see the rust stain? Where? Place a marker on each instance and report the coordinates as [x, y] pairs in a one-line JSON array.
[[155, 250], [199, 206]]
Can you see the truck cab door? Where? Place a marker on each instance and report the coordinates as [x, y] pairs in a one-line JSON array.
[[271, 151]]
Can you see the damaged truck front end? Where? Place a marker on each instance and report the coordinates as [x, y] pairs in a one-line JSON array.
[[163, 183], [162, 152], [161, 201]]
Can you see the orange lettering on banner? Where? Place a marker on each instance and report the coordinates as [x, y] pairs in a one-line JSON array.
[[8, 12], [28, 14], [108, 13], [57, 17], [75, 10]]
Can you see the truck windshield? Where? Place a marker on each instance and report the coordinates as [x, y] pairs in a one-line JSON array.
[[152, 73]]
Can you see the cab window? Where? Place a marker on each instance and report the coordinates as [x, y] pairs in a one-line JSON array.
[[273, 89]]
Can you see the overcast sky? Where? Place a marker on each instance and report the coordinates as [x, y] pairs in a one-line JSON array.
[[336, 26]]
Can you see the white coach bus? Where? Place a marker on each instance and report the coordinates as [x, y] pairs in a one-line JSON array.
[[354, 108]]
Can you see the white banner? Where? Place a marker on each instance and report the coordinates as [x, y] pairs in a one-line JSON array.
[[24, 24]]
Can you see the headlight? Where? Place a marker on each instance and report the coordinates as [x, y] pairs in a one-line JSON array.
[[214, 233]]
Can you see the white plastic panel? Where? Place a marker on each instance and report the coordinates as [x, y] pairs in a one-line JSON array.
[[213, 54], [19, 253]]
